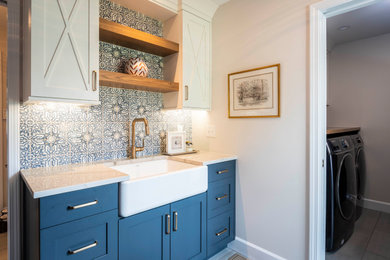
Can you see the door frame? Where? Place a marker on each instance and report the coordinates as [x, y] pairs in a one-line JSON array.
[[14, 84], [319, 12]]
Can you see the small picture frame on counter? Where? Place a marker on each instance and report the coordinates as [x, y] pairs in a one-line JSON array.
[[176, 142]]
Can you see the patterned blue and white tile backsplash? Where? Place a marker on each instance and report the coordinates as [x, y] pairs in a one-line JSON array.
[[56, 134]]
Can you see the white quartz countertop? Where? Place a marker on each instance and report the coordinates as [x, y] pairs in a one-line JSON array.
[[48, 181], [204, 158]]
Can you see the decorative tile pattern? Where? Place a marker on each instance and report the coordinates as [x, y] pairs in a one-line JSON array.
[[119, 14], [57, 134], [54, 134]]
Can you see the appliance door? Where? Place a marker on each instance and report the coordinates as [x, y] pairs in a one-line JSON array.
[[360, 171], [346, 187], [330, 159]]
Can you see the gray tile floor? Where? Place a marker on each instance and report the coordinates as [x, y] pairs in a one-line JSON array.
[[227, 254], [370, 240]]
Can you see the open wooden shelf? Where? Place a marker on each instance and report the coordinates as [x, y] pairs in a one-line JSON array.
[[125, 36], [123, 80]]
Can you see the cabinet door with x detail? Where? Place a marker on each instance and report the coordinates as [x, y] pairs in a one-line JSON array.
[[196, 61], [64, 51]]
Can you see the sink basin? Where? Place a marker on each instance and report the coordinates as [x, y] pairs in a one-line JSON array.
[[158, 182]]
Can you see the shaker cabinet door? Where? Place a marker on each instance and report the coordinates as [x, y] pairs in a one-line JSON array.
[[188, 237], [64, 51], [145, 236], [196, 62]]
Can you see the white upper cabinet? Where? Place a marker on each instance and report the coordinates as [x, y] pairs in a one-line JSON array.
[[191, 67], [196, 62], [61, 52]]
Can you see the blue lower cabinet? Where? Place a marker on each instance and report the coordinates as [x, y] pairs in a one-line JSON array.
[[221, 197], [220, 232], [221, 206], [188, 237], [176, 231], [61, 208], [92, 237], [145, 236]]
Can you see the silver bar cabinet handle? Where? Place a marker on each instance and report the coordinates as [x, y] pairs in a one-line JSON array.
[[73, 252], [94, 80], [175, 221], [186, 92], [168, 224], [83, 205], [222, 197], [223, 171], [220, 233]]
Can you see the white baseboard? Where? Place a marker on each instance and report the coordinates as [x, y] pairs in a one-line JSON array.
[[376, 205], [251, 251]]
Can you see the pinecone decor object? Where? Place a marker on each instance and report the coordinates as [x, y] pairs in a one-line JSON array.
[[137, 67]]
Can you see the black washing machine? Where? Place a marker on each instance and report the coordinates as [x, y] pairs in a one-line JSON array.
[[341, 192], [360, 162]]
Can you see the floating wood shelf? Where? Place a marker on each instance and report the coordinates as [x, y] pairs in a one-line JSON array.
[[125, 36], [122, 80]]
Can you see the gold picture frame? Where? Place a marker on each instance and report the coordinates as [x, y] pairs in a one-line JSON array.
[[254, 93]]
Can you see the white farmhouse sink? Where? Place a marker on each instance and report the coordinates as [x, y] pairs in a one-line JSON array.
[[158, 182]]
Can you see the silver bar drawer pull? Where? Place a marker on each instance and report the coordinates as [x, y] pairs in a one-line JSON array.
[[83, 205], [175, 215], [73, 252], [168, 224], [220, 233], [223, 171], [186, 92], [222, 197], [94, 80]]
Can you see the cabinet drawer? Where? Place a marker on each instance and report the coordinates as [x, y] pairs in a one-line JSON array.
[[88, 238], [220, 231], [222, 170], [220, 197], [74, 205]]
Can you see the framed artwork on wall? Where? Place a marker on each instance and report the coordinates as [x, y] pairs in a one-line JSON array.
[[254, 93], [176, 142]]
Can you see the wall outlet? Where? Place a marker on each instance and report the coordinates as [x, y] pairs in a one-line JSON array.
[[211, 131]]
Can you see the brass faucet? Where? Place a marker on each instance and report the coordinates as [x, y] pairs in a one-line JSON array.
[[135, 149]]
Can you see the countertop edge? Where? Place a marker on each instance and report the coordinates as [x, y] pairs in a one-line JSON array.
[[205, 163], [87, 185], [221, 160], [26, 183]]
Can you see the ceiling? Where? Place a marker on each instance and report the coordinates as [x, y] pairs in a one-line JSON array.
[[366, 22]]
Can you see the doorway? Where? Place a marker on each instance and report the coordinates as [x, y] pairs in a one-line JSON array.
[[3, 136], [319, 13], [358, 62]]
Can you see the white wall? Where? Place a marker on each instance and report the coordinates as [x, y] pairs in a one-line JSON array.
[[360, 96], [272, 175]]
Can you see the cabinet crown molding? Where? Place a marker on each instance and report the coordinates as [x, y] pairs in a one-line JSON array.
[[171, 5], [202, 8]]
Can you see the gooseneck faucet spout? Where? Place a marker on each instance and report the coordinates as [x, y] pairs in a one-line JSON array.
[[134, 148]]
